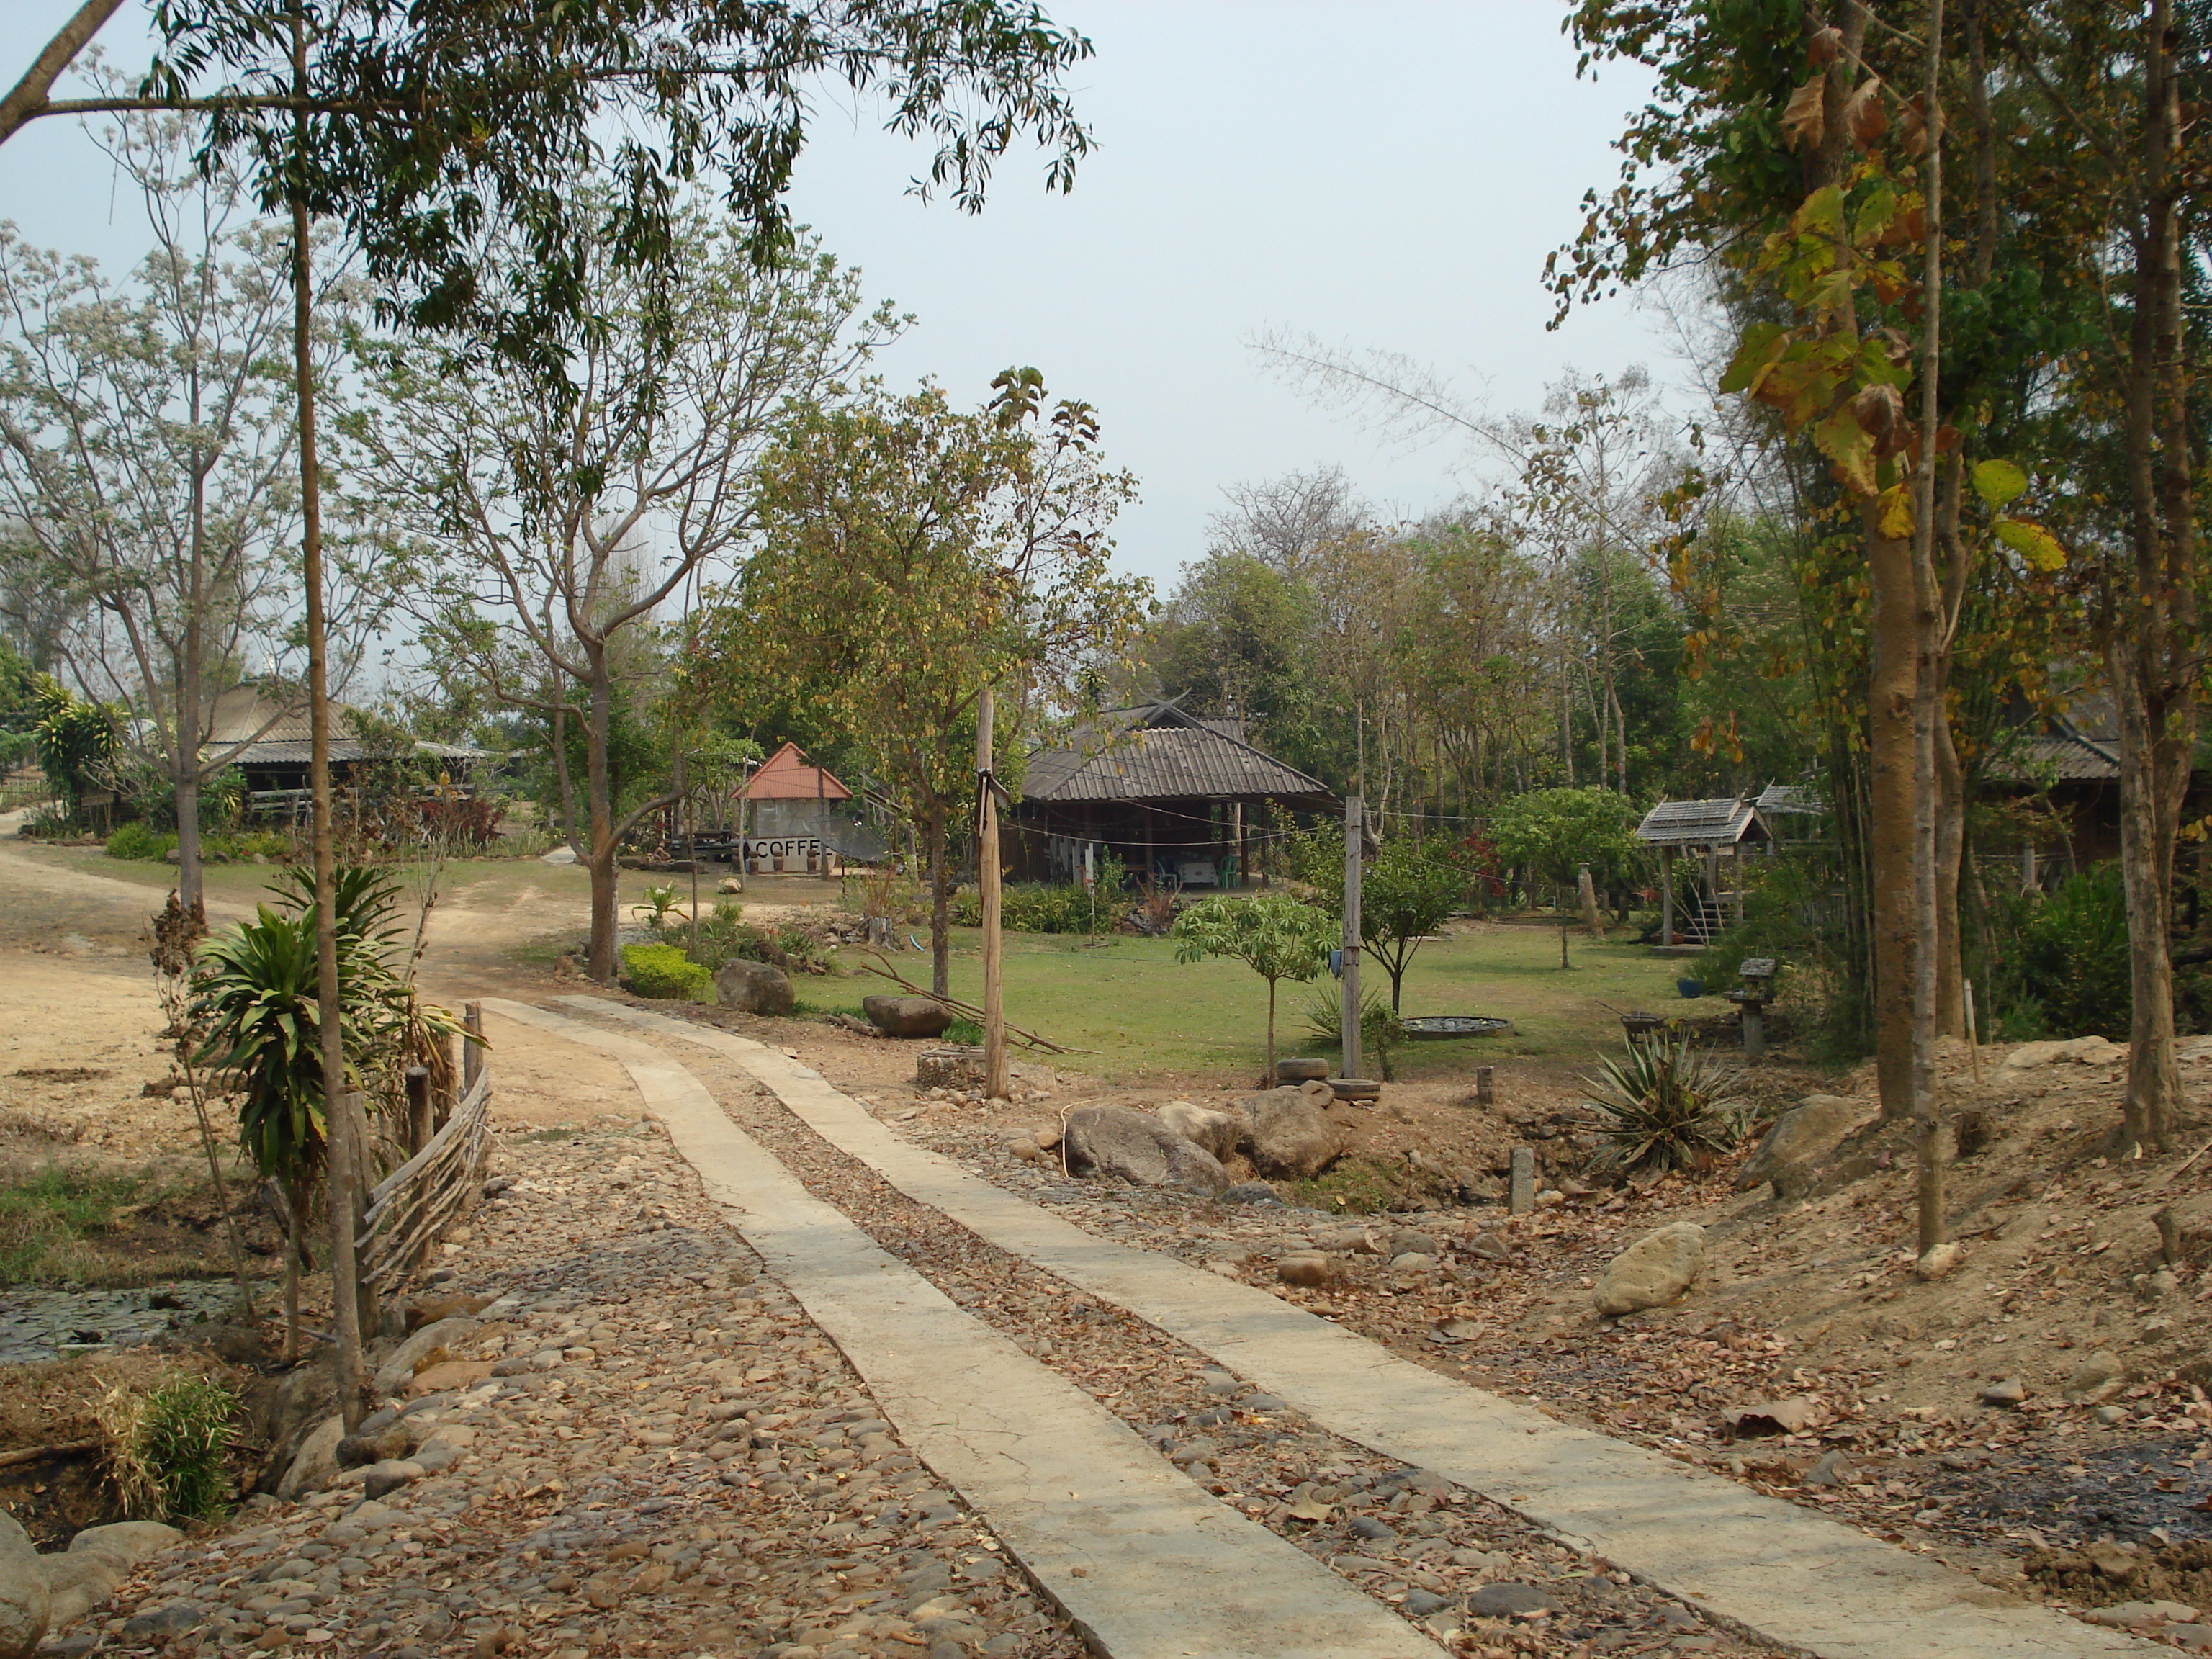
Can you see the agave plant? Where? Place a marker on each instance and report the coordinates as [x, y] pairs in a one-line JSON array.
[[1666, 1104]]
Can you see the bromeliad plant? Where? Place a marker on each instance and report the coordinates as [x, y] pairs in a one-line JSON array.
[[1667, 1105]]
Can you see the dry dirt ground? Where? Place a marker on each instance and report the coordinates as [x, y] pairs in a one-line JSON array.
[[1864, 1385]]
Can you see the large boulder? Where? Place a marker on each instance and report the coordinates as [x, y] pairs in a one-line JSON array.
[[1219, 1132], [23, 1596], [313, 1467], [395, 1373], [1656, 1270], [1134, 1147], [2083, 1050], [1290, 1134], [78, 1583], [906, 1017], [1801, 1137], [753, 988]]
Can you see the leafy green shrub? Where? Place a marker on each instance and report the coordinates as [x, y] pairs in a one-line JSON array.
[[966, 1032], [1666, 1105], [1037, 907], [167, 1448], [664, 972], [2070, 973], [140, 841]]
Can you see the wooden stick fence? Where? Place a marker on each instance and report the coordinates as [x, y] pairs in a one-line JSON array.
[[409, 1207]]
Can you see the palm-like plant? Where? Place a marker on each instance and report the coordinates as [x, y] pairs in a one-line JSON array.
[[255, 998], [1666, 1104]]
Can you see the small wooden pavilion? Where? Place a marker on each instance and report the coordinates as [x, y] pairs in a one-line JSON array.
[[1169, 793], [1717, 832]]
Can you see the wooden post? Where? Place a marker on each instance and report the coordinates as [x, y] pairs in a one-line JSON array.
[[1666, 895], [472, 1044], [1484, 1093], [1236, 838], [996, 1086], [418, 1109], [821, 819], [1351, 1000], [1521, 1188]]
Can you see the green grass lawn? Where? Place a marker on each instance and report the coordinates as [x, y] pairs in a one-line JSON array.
[[1145, 1012]]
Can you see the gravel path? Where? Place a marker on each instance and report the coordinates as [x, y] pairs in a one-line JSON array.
[[696, 1471]]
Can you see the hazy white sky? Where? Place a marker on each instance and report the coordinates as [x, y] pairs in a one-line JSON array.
[[1384, 174]]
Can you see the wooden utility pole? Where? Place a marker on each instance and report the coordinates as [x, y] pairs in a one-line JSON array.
[[1352, 831], [996, 1083]]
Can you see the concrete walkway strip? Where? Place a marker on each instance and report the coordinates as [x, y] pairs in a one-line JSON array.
[[1795, 1578], [1149, 1566]]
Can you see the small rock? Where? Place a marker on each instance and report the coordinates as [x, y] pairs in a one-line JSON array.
[[1374, 1531], [1509, 1600], [1488, 1246], [1411, 1241], [2110, 1416], [1939, 1262], [755, 987], [1657, 1269], [2010, 1392], [2130, 1615], [1252, 1192], [1309, 1268], [1831, 1470], [2096, 1377], [1413, 1261], [160, 1623], [1421, 1604]]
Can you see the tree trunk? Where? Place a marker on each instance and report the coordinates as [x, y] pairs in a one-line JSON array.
[[1950, 854], [1891, 697], [568, 782], [184, 757], [2151, 640], [940, 904], [338, 1104], [600, 963], [1267, 1076], [1928, 712]]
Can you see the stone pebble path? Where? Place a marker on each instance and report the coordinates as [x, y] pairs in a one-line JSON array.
[[1764, 1565]]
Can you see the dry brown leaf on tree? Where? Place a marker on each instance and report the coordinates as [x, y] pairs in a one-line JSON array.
[[1803, 117]]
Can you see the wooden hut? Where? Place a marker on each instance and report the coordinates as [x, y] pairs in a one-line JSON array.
[[1717, 833], [1170, 794]]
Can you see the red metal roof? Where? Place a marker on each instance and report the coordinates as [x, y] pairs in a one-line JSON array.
[[788, 776]]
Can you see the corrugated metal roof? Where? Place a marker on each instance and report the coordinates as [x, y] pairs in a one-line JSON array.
[[2064, 755], [1161, 753], [788, 776], [1721, 821], [295, 751], [1789, 798]]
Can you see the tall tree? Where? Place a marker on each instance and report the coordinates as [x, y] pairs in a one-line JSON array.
[[146, 437], [546, 538], [911, 555]]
